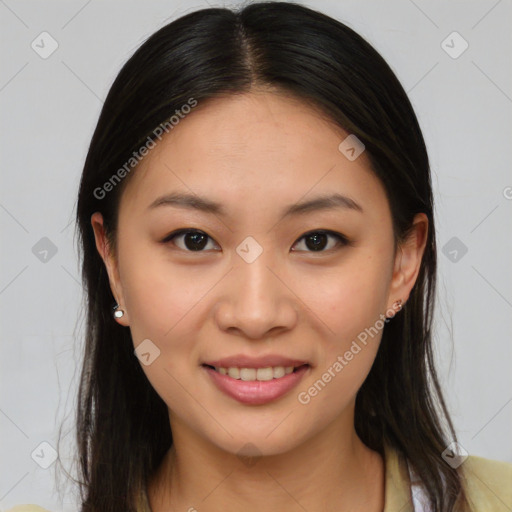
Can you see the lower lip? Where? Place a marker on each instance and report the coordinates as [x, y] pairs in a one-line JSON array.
[[256, 392]]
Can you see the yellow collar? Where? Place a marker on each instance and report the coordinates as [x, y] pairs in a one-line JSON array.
[[398, 495]]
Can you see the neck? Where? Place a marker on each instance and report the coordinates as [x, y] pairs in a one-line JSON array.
[[330, 472]]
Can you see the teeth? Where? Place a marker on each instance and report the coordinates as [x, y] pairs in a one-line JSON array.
[[262, 374], [265, 374], [234, 372], [248, 373], [280, 371]]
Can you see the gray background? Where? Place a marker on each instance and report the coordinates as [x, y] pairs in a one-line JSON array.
[[49, 108]]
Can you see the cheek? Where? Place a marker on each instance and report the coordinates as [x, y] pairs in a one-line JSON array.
[[350, 301], [164, 307], [353, 297], [158, 295]]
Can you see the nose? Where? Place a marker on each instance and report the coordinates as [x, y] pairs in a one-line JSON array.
[[257, 301]]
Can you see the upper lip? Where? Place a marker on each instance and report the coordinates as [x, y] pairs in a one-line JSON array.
[[243, 361]]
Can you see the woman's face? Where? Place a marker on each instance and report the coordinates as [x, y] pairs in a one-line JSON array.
[[250, 283]]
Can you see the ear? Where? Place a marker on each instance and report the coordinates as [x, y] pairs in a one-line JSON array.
[[111, 264], [408, 259]]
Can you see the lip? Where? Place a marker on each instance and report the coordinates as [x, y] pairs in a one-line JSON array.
[[243, 361], [257, 392]]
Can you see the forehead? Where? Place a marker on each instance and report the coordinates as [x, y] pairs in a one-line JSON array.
[[256, 149]]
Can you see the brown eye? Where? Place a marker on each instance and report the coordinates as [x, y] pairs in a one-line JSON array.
[[189, 240], [317, 241]]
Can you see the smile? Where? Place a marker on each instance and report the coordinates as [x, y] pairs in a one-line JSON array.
[[256, 386], [261, 374]]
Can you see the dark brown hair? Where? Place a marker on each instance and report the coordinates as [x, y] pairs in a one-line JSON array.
[[123, 428]]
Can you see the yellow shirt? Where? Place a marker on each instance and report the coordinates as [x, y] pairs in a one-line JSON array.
[[489, 486]]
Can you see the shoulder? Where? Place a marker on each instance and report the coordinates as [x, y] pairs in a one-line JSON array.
[[27, 508], [488, 482]]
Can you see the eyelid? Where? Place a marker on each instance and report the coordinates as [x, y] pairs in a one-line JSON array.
[[342, 239]]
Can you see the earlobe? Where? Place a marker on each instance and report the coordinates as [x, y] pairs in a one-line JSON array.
[[102, 245], [408, 259]]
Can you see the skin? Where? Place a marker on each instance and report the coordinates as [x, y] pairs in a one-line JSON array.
[[257, 153]]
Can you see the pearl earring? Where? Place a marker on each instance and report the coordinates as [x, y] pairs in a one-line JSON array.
[[118, 313], [398, 304]]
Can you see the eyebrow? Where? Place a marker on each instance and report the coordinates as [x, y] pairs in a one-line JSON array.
[[195, 202]]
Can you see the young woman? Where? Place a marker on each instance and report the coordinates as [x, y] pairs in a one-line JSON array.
[[259, 255]]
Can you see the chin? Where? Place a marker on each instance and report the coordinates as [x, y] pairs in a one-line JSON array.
[[257, 444]]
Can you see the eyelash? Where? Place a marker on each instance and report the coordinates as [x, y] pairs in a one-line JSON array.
[[342, 240]]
